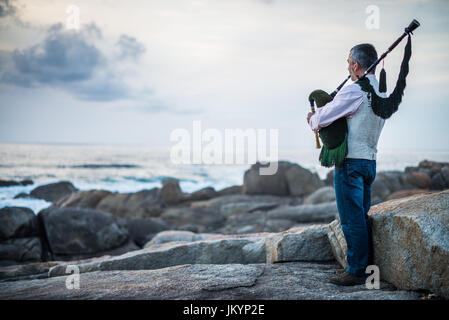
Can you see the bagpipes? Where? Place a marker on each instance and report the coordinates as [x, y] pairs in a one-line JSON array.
[[334, 136]]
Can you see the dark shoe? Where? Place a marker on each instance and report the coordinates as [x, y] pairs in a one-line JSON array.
[[346, 279], [339, 271]]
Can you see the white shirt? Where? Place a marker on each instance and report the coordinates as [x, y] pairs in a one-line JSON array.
[[345, 103]]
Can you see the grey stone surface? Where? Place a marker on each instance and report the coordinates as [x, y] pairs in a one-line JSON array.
[[289, 281], [16, 222], [74, 231]]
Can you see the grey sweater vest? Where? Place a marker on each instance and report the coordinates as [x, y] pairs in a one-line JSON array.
[[364, 127]]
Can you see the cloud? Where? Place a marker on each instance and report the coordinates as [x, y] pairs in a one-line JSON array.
[[73, 61], [6, 8], [129, 47]]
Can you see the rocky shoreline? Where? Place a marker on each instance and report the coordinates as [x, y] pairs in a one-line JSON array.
[[274, 227]]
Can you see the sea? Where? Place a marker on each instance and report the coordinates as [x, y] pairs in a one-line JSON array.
[[133, 168]]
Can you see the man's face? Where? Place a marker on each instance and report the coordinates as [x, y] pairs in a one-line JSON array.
[[352, 68]]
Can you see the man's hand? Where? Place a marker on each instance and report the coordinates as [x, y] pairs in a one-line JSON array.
[[309, 115]]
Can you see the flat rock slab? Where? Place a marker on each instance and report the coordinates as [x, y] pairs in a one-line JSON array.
[[289, 281]]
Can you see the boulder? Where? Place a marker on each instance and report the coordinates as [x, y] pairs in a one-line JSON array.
[[419, 179], [301, 181], [83, 199], [213, 251], [322, 195], [142, 230], [20, 250], [171, 192], [142, 204], [299, 244], [329, 181], [438, 182], [323, 212], [275, 184], [445, 173], [76, 231], [411, 242], [16, 222], [53, 191]]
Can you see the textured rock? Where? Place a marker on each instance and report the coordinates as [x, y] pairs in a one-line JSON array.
[[438, 182], [214, 251], [142, 204], [299, 244], [171, 192], [324, 194], [53, 191], [419, 179], [20, 250], [288, 281], [74, 231], [301, 181], [323, 212], [275, 184], [142, 230], [18, 222], [83, 199], [411, 242]]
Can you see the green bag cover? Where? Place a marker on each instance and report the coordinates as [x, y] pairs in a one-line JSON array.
[[334, 136]]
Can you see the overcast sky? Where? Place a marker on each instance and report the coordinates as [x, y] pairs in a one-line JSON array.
[[136, 70]]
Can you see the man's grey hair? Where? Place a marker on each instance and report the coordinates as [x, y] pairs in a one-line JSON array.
[[365, 54]]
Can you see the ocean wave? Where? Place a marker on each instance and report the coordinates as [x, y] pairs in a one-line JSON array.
[[102, 166]]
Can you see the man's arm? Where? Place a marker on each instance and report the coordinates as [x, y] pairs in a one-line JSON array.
[[345, 103]]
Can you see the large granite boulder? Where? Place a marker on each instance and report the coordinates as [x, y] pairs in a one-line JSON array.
[[20, 250], [16, 222], [142, 230], [289, 179], [53, 191], [76, 231], [411, 242], [299, 244], [142, 204], [210, 251]]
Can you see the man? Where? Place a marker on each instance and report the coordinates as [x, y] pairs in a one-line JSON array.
[[352, 181]]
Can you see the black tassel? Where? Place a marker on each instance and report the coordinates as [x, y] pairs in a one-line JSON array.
[[383, 81]]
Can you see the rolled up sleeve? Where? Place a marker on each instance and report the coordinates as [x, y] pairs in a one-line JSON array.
[[345, 103]]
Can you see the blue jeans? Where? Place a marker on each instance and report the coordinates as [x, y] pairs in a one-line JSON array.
[[352, 183]]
